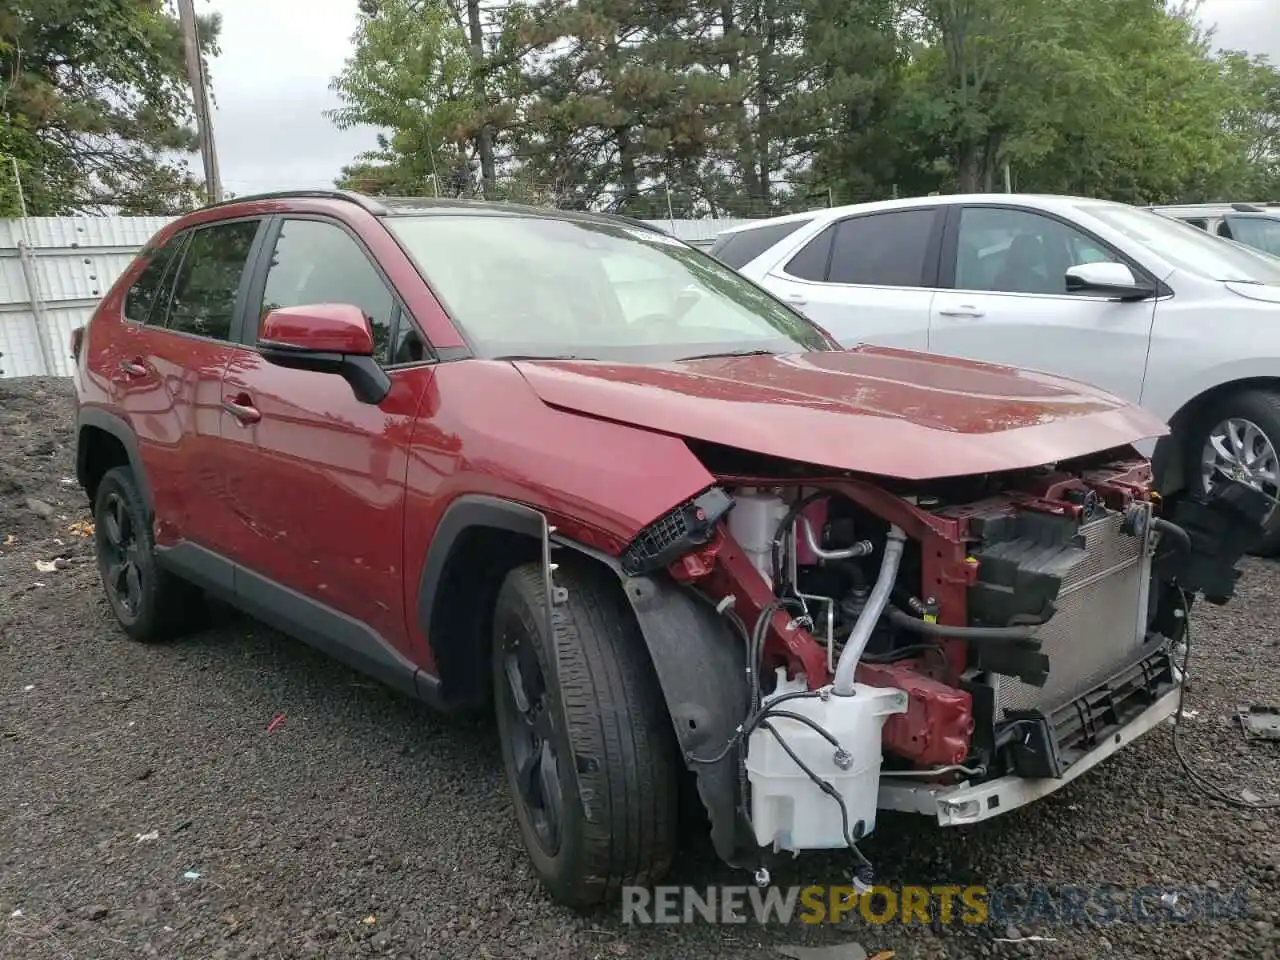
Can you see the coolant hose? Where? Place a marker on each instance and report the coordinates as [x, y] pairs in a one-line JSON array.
[[870, 616], [905, 621], [1174, 532]]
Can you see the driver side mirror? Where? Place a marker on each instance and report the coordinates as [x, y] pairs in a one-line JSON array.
[[326, 338], [1114, 280]]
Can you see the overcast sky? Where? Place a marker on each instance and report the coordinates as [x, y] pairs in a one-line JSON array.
[[271, 84]]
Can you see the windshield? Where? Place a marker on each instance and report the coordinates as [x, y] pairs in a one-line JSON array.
[[543, 287], [1186, 247], [1260, 233]]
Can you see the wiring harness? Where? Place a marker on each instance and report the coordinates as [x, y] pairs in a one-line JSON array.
[[759, 714]]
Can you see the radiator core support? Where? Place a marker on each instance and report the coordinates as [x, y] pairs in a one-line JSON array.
[[1087, 585]]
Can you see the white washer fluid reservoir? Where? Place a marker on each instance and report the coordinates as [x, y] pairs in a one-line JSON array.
[[753, 522], [789, 810]]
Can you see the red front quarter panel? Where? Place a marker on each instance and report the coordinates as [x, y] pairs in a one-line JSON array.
[[481, 430]]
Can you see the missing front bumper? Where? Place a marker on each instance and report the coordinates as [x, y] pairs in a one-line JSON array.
[[965, 803]]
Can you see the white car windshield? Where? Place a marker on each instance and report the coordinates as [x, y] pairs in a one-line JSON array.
[[1186, 247], [525, 286]]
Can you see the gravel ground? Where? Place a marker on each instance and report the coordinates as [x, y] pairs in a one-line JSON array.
[[363, 825]]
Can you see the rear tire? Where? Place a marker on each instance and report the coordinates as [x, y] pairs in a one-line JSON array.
[[150, 603], [1248, 424], [589, 749]]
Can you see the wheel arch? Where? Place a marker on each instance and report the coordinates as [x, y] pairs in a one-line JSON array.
[[701, 667], [476, 542], [1170, 455], [104, 440], [698, 660]]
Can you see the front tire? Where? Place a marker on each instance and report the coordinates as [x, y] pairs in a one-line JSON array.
[[1247, 426], [586, 740], [149, 602]]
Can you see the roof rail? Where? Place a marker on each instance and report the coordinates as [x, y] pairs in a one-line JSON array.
[[368, 203], [1246, 208]]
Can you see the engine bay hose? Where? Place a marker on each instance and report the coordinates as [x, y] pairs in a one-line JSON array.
[[905, 621], [860, 636], [1167, 528]]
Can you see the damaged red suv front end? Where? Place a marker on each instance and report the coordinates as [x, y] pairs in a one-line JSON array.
[[659, 522], [984, 542]]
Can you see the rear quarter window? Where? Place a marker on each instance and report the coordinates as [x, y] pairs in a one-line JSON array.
[[738, 249], [882, 249], [141, 298]]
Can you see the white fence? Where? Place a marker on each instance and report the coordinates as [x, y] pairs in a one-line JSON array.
[[53, 270]]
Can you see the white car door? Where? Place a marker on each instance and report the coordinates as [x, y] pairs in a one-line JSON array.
[[866, 278], [1006, 301]]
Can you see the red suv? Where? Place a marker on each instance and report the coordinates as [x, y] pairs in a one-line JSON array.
[[566, 467]]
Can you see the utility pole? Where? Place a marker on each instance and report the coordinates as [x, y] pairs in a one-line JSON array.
[[484, 136], [195, 74]]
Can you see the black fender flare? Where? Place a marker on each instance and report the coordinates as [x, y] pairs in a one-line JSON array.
[[701, 667], [462, 514], [456, 667], [117, 427]]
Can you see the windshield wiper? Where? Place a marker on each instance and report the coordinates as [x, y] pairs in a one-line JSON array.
[[727, 353]]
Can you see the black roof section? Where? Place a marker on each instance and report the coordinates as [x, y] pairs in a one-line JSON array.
[[427, 206], [369, 203]]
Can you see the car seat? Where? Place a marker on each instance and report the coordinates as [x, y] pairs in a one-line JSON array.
[[1023, 270]]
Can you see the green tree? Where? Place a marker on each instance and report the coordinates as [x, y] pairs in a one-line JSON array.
[[1149, 120], [1255, 123], [624, 114], [436, 75], [94, 106], [850, 106], [751, 107], [1107, 98], [409, 74]]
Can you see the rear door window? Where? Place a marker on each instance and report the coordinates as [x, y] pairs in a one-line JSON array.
[[882, 249], [208, 280], [740, 248]]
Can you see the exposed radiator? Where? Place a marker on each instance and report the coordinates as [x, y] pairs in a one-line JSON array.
[[1100, 623]]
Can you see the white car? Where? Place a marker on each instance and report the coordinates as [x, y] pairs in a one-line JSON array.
[[1255, 225], [1146, 307]]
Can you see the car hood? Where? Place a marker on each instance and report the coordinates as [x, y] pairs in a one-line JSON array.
[[1263, 292], [877, 410]]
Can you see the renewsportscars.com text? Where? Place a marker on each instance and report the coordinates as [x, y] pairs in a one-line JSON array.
[[948, 903]]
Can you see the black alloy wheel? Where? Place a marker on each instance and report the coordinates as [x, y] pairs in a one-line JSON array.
[[118, 557], [588, 746], [526, 718], [150, 602]]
